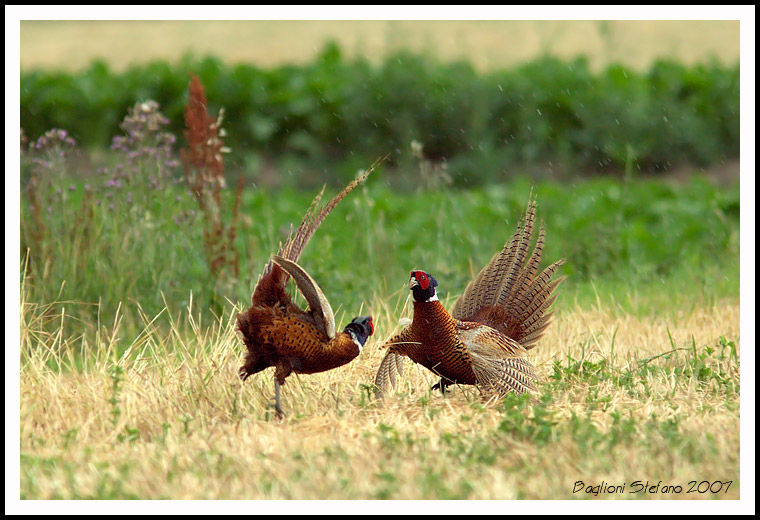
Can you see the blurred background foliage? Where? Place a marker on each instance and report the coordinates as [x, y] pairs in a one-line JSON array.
[[466, 147], [549, 117]]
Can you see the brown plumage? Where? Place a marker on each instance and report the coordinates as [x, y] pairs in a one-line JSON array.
[[278, 333], [500, 316]]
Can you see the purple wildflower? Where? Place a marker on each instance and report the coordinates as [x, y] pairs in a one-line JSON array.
[[50, 151], [143, 146]]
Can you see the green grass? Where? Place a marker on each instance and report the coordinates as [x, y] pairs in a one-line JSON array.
[[129, 358], [641, 247]]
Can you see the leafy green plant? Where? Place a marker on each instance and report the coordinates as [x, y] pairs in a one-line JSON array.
[[334, 113]]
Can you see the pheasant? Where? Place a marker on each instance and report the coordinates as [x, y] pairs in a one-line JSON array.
[[278, 333], [500, 316]]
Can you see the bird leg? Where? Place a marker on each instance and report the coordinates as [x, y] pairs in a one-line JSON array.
[[441, 385], [282, 371], [277, 405]]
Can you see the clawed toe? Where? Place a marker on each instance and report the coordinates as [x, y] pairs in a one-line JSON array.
[[440, 385]]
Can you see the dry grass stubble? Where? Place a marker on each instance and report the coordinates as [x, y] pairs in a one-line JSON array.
[[178, 423]]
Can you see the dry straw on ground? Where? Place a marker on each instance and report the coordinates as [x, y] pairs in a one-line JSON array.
[[178, 423]]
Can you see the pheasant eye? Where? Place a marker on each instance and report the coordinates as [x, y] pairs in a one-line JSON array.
[[424, 281]]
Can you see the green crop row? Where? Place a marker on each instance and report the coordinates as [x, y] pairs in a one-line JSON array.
[[553, 113]]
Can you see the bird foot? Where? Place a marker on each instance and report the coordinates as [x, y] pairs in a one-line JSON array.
[[440, 385], [278, 412]]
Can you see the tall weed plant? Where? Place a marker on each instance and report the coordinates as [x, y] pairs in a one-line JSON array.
[[131, 235]]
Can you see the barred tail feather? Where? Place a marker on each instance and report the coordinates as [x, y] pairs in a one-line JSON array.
[[498, 277], [272, 281], [508, 280], [508, 294]]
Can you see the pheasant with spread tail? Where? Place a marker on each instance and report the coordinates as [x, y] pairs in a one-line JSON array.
[[500, 316], [278, 333]]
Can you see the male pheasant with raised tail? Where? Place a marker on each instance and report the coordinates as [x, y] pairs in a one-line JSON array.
[[279, 333], [500, 316]]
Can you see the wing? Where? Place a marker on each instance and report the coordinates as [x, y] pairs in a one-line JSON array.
[[504, 375], [480, 338], [318, 304], [391, 368], [498, 361], [392, 365]]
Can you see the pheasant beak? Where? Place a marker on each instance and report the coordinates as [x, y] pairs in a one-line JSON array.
[[413, 282]]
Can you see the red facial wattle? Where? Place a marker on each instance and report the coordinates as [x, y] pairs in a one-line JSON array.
[[422, 279]]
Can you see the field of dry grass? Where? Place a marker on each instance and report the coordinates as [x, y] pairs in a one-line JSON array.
[[73, 45], [622, 400]]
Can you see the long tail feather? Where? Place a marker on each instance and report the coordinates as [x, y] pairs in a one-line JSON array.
[[507, 294], [506, 281], [273, 279], [497, 278], [319, 305]]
